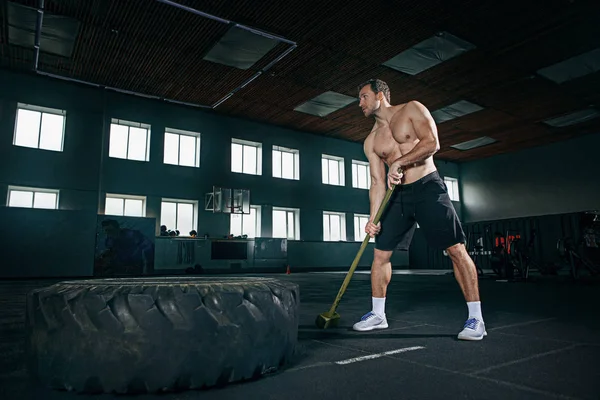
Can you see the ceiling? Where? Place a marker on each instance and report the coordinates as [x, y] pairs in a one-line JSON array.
[[157, 49]]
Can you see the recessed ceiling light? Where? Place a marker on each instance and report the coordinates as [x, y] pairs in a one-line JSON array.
[[574, 67], [576, 117], [429, 53], [325, 104], [240, 48], [458, 109], [472, 144]]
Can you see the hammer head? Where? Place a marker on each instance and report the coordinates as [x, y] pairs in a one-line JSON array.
[[327, 320]]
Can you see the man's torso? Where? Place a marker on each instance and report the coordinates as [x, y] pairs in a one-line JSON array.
[[392, 140]]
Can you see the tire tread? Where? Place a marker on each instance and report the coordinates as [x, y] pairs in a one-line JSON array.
[[96, 336]]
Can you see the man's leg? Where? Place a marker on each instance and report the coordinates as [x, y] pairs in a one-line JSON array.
[[443, 229], [381, 275], [465, 271], [397, 229]]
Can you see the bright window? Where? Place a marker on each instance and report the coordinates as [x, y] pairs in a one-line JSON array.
[[360, 221], [332, 169], [452, 185], [39, 127], [125, 205], [286, 163], [361, 175], [246, 157], [182, 148], [179, 215], [246, 224], [285, 223], [32, 197], [129, 140], [334, 226]]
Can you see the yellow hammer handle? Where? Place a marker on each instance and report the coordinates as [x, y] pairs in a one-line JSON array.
[[363, 246]]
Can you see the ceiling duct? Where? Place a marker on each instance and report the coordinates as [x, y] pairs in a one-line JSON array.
[[292, 46]]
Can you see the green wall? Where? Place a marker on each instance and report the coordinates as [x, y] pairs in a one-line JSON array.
[[554, 179], [84, 173]]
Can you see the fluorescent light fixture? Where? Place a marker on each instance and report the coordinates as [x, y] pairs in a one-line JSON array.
[[472, 144], [429, 53], [576, 117], [574, 67], [455, 110], [240, 48], [58, 32], [325, 104]]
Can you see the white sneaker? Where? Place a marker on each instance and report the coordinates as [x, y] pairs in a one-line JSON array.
[[370, 321], [474, 329]]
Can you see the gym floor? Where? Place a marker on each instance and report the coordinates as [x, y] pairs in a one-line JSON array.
[[543, 343]]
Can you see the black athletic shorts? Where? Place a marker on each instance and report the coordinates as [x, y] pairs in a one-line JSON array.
[[426, 202]]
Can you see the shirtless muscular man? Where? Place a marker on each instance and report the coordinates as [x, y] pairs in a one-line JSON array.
[[404, 137]]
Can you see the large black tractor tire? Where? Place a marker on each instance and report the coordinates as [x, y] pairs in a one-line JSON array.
[[159, 334]]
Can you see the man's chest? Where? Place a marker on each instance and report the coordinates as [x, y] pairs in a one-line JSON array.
[[387, 139]]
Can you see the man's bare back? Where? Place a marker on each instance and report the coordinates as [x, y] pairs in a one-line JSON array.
[[390, 140]]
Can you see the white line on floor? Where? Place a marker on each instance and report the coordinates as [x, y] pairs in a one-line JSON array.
[[469, 375], [378, 355], [537, 321], [353, 360], [520, 360]]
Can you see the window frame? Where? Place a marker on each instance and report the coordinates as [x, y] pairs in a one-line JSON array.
[[180, 132], [341, 169], [12, 188], [453, 189], [194, 204], [359, 234], [296, 214], [126, 197], [342, 216], [257, 222], [247, 143], [129, 125], [296, 156], [42, 110], [355, 169]]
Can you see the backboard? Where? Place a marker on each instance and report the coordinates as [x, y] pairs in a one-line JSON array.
[[227, 200]]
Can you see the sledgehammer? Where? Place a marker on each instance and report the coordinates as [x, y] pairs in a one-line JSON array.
[[331, 318]]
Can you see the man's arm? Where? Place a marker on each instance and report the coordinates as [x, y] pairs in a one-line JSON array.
[[378, 181], [426, 131]]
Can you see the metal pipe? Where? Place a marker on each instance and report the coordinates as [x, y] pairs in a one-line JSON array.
[[265, 34], [292, 44], [121, 90], [285, 53], [256, 75], [226, 21], [38, 33], [247, 28], [194, 11]]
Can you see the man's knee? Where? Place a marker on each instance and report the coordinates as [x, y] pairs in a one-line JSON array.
[[382, 257], [457, 251]]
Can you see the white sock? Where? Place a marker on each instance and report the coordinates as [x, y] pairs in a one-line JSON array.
[[475, 310], [379, 306]]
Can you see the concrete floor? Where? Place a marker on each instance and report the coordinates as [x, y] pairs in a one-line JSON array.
[[543, 343]]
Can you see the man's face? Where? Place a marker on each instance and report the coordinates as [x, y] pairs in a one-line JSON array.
[[369, 102]]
